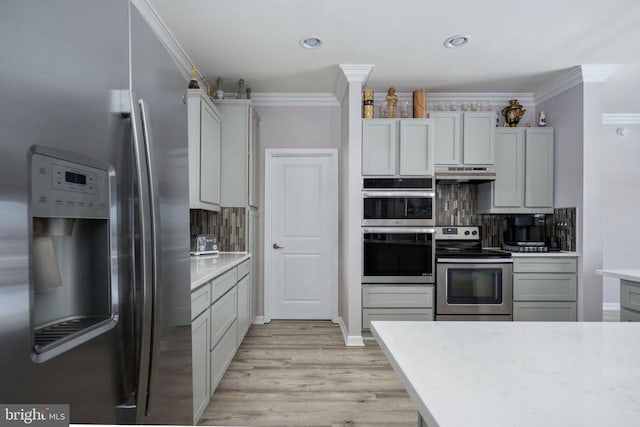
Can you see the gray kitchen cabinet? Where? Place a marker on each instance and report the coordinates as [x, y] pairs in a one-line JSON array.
[[629, 301], [244, 300], [218, 309], [397, 147], [223, 313], [200, 355], [254, 143], [396, 302], [549, 311], [239, 132], [204, 151], [222, 355], [464, 138], [200, 359], [252, 248], [544, 288], [524, 173]]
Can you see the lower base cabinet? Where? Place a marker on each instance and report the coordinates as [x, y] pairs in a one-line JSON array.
[[627, 315], [548, 311], [629, 301], [370, 314], [222, 354], [396, 302], [545, 289], [200, 331], [221, 316], [244, 307]]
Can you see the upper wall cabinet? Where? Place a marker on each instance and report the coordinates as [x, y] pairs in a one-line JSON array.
[[464, 138], [238, 149], [524, 173], [204, 152], [397, 147]]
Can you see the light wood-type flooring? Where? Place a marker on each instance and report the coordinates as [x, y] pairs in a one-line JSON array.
[[300, 373]]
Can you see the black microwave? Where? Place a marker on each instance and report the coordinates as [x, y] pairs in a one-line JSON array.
[[398, 202]]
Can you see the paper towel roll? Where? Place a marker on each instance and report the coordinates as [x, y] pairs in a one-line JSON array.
[[420, 104]]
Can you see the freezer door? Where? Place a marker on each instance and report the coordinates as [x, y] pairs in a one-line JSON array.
[[63, 63], [165, 378]]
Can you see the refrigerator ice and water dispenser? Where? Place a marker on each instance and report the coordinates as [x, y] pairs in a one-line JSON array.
[[71, 278]]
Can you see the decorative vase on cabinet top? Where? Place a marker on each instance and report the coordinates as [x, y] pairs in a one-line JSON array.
[[513, 112]]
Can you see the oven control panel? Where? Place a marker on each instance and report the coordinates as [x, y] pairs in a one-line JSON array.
[[467, 232]]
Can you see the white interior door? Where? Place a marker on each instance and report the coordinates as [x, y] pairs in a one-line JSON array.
[[301, 229]]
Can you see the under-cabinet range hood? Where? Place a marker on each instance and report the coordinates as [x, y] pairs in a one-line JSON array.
[[459, 174]]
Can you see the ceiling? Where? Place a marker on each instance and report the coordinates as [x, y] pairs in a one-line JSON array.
[[516, 47]]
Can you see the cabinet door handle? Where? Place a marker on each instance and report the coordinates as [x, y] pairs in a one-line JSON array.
[[277, 246]]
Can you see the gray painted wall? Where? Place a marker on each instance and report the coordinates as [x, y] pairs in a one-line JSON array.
[[620, 204], [576, 116], [290, 127]]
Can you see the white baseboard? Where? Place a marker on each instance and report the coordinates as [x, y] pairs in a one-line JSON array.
[[259, 320], [350, 340], [611, 306]]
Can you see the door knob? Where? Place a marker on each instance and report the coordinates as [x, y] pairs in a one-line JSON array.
[[277, 246]]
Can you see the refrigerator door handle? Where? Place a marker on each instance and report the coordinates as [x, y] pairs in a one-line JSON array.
[[146, 257], [155, 265]]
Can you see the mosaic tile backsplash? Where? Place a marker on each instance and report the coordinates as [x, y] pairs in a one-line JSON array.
[[228, 226], [456, 205], [563, 226]]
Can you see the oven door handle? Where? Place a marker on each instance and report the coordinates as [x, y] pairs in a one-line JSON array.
[[390, 194], [398, 230], [442, 261]]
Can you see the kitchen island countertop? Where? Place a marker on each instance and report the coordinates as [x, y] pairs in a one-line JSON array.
[[624, 274], [205, 268], [525, 374]]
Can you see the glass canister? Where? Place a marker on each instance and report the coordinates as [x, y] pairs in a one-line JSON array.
[[367, 104]]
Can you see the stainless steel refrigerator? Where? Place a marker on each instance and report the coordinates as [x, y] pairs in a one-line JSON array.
[[94, 269]]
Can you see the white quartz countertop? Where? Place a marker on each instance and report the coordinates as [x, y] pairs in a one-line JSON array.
[[544, 254], [517, 374], [205, 268], [626, 274]]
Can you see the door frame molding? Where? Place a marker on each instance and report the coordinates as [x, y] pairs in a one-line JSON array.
[[270, 155]]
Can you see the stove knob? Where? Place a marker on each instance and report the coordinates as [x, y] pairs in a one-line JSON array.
[[474, 232], [466, 233]]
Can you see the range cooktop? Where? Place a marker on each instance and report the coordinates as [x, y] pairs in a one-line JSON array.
[[463, 242]]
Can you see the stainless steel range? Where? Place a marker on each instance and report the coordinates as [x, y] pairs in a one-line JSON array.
[[472, 283]]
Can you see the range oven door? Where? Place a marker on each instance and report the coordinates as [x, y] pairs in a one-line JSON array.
[[398, 208], [398, 255], [474, 287]]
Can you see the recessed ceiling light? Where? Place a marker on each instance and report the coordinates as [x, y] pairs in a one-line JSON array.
[[456, 41], [311, 42]]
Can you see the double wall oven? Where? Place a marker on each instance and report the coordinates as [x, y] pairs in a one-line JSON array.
[[398, 221], [472, 283]]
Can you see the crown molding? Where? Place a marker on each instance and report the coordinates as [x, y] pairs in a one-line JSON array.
[[566, 81], [320, 99], [598, 73], [587, 73], [167, 39], [351, 73], [621, 119]]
